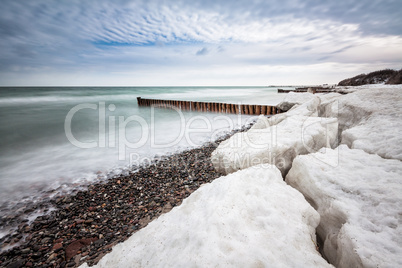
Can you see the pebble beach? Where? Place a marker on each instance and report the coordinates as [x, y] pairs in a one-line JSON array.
[[84, 226]]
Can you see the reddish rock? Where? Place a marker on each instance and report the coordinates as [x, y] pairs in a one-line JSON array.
[[73, 248], [58, 240], [57, 246]]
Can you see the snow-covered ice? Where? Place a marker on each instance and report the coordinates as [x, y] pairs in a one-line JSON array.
[[308, 108], [352, 89], [262, 122], [278, 144], [370, 119], [293, 98], [326, 101], [250, 218], [360, 203]]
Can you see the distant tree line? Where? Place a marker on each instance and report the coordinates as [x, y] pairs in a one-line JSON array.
[[386, 76]]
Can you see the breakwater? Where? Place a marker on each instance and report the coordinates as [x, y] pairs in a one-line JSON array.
[[213, 107]]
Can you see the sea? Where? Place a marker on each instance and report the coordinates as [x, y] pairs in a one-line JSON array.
[[55, 139]]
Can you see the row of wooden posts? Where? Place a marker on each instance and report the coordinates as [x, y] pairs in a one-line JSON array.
[[214, 107]]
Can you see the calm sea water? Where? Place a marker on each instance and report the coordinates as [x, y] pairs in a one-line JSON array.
[[58, 137]]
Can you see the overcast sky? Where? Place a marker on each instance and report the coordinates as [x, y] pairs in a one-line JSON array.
[[194, 42]]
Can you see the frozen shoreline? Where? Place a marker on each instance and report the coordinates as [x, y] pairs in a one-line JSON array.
[[368, 109], [92, 223]]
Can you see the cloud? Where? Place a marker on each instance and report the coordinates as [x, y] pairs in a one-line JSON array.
[[67, 37], [203, 51]]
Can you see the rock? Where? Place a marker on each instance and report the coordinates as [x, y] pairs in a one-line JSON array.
[[16, 264], [57, 246], [73, 247], [77, 259], [52, 257], [99, 242], [25, 251]]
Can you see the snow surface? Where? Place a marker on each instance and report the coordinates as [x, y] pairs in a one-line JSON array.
[[326, 101], [358, 196], [370, 119], [352, 89], [293, 98], [278, 144], [308, 108], [262, 122], [250, 218]]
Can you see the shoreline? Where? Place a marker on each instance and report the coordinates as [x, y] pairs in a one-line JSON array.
[[84, 225]]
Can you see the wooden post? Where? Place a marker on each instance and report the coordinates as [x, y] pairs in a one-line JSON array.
[[263, 109], [258, 109]]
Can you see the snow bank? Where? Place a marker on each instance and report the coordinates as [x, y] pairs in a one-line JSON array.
[[278, 144], [262, 122], [327, 100], [308, 108], [370, 119], [352, 89], [358, 196], [293, 98], [247, 219]]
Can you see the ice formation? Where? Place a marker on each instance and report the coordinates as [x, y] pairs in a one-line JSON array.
[[308, 108], [262, 122], [278, 144], [250, 218], [370, 119], [293, 98], [358, 196]]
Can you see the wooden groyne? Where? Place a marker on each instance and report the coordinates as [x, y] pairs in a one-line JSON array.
[[280, 90], [307, 89], [213, 107]]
